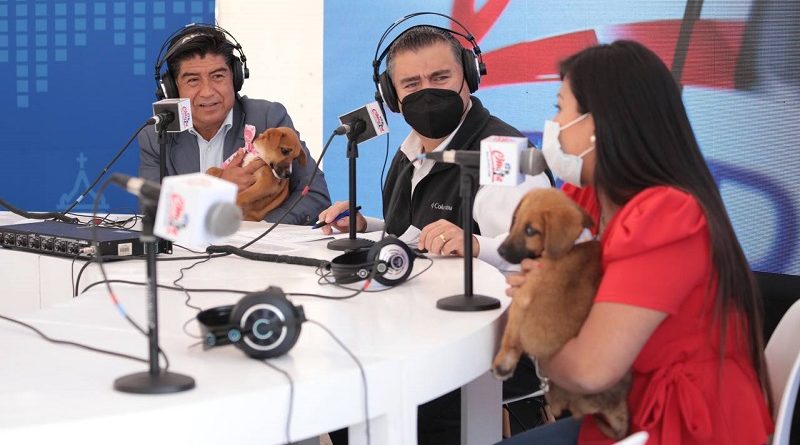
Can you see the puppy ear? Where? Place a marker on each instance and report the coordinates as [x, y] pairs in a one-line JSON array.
[[562, 225], [301, 156], [274, 137], [294, 141]]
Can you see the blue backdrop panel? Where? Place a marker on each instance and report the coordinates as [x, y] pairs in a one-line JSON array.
[[77, 80], [741, 86]]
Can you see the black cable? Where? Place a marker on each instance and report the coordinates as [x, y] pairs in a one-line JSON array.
[[167, 287], [186, 291], [104, 171], [72, 343], [99, 258], [72, 275], [383, 169], [360, 369], [189, 296], [31, 215], [138, 257], [323, 279], [291, 397], [292, 206]]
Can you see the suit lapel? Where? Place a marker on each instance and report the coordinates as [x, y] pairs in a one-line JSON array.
[[184, 153], [235, 137]]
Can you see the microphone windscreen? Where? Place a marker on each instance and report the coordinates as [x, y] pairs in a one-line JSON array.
[[223, 219], [532, 162]]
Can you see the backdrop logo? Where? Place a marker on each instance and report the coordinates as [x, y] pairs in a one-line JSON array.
[[80, 185]]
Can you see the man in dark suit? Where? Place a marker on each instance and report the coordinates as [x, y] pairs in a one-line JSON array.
[[201, 66]]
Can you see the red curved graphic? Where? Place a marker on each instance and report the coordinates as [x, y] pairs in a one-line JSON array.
[[710, 62]]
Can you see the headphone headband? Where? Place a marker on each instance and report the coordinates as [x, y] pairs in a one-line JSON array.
[[166, 86], [385, 92]]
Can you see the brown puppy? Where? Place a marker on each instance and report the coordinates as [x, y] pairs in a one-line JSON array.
[[551, 306], [278, 147]]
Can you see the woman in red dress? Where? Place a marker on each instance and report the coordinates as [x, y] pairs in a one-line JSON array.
[[677, 305]]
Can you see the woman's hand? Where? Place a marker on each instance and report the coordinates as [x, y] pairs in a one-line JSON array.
[[343, 225], [445, 238], [517, 279]]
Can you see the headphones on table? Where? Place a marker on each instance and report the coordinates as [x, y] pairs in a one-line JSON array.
[[166, 86], [391, 259], [262, 324], [471, 60]]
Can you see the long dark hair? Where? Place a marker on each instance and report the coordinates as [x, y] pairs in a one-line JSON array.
[[644, 139]]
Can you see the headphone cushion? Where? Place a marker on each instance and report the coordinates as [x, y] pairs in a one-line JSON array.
[[397, 257], [351, 267], [469, 64], [269, 322], [388, 92], [238, 74], [168, 87]]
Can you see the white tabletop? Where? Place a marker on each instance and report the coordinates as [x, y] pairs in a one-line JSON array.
[[411, 353]]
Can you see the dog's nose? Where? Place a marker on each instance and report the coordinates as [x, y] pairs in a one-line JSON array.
[[508, 252]]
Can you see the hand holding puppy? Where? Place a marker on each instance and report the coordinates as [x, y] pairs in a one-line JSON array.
[[240, 175]]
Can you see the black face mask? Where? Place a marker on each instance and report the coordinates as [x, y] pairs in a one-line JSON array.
[[433, 112]]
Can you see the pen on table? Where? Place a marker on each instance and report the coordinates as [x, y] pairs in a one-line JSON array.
[[346, 213]]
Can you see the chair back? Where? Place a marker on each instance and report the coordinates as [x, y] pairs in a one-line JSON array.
[[783, 364], [783, 420], [782, 350]]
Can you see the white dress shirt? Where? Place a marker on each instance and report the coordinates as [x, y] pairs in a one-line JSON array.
[[211, 151]]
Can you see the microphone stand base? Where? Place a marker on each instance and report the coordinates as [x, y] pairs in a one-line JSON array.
[[350, 244], [146, 383], [468, 303]]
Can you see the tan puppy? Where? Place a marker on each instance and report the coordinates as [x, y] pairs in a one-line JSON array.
[[551, 306], [278, 147]]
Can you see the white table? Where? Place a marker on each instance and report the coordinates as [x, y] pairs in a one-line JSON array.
[[411, 353]]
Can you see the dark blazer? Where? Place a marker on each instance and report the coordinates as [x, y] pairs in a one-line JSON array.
[[183, 156]]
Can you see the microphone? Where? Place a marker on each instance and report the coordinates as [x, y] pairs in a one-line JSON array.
[[195, 209], [355, 123], [144, 189], [496, 163], [174, 115]]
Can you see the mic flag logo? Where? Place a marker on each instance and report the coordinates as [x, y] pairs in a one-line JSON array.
[[378, 121], [377, 117], [499, 167], [178, 218], [186, 115]]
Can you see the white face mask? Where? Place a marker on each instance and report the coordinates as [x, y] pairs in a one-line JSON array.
[[564, 165]]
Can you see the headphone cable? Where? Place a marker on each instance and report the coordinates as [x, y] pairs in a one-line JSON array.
[[360, 370], [72, 343], [104, 171], [228, 249]]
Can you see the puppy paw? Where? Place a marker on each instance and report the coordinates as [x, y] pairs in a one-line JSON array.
[[503, 366], [502, 373]]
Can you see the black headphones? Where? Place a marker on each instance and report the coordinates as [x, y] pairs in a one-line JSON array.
[[391, 258], [471, 60], [166, 87], [262, 324]]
